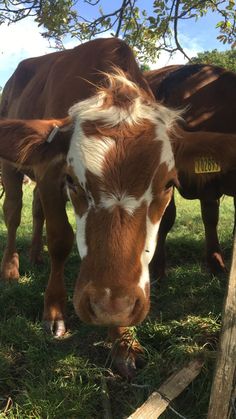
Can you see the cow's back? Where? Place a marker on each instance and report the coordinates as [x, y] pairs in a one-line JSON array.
[[46, 86], [26, 84], [156, 77], [206, 92]]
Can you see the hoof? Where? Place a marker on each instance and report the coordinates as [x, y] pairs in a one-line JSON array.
[[10, 268], [36, 259], [56, 328], [127, 356], [157, 274], [216, 264], [125, 367]]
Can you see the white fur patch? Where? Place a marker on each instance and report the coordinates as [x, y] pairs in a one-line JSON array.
[[149, 249], [151, 240], [92, 109], [148, 252], [167, 155], [167, 117], [81, 235], [87, 153], [144, 279], [127, 202]]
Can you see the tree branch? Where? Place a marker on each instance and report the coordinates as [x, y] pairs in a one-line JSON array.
[[176, 30], [120, 19]]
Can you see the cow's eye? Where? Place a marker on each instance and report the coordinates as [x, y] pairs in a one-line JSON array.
[[69, 180], [170, 184], [72, 184]]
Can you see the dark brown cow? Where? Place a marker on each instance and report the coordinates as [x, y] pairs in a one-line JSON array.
[[207, 93], [114, 150]]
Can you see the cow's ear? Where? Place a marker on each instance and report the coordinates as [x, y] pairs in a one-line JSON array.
[[31, 142], [204, 152]]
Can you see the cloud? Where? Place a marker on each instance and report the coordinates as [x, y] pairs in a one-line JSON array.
[[190, 45], [19, 41], [23, 40]]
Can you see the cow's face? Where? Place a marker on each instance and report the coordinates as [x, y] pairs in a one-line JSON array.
[[120, 177]]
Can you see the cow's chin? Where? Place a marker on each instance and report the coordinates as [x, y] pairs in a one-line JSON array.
[[105, 307]]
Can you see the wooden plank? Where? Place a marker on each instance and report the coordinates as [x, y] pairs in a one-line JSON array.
[[159, 400], [223, 382]]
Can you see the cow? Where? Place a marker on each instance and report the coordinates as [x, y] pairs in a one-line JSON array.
[[207, 94], [85, 120]]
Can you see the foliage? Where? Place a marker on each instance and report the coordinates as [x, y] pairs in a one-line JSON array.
[[148, 33], [42, 377], [225, 59], [145, 67]]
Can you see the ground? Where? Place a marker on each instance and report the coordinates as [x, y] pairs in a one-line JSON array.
[[41, 377]]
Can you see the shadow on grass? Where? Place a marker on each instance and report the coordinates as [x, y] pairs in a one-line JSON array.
[[60, 378], [45, 377], [190, 251]]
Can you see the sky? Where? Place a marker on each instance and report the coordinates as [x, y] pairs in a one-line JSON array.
[[23, 40]]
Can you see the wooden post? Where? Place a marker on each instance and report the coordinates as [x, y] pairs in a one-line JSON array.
[[157, 403], [225, 372]]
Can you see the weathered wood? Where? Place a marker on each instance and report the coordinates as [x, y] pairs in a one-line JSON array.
[[233, 399], [222, 387], [107, 413], [159, 400]]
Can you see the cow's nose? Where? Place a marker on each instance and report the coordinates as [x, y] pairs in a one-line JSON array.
[[111, 307], [108, 310]]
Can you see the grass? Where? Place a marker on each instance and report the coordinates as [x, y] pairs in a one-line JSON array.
[[41, 377]]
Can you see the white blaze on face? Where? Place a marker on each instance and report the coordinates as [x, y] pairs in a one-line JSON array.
[[148, 252], [149, 249], [81, 235], [165, 120], [151, 240]]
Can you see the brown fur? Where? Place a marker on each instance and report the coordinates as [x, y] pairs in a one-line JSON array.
[[45, 88], [107, 290], [207, 93]]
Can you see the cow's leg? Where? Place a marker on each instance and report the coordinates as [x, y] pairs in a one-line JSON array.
[[210, 216], [12, 181], [158, 263], [38, 222], [234, 230], [126, 350], [60, 240]]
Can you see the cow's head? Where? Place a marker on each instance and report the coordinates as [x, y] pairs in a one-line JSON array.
[[120, 172], [120, 169]]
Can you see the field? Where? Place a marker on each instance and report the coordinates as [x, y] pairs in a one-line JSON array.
[[41, 377]]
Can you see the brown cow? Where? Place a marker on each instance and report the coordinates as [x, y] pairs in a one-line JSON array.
[[207, 93], [114, 150]]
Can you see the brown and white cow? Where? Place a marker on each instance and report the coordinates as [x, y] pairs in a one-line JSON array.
[[114, 150], [207, 93]]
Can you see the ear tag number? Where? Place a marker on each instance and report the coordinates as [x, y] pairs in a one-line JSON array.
[[206, 165]]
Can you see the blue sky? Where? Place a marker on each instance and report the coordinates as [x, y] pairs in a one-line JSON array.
[[23, 39]]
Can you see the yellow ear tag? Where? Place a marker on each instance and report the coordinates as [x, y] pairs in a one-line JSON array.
[[206, 165]]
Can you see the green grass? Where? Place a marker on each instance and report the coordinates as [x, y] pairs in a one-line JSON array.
[[41, 377]]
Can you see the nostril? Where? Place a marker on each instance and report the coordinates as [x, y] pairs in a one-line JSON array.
[[90, 309], [137, 306]]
